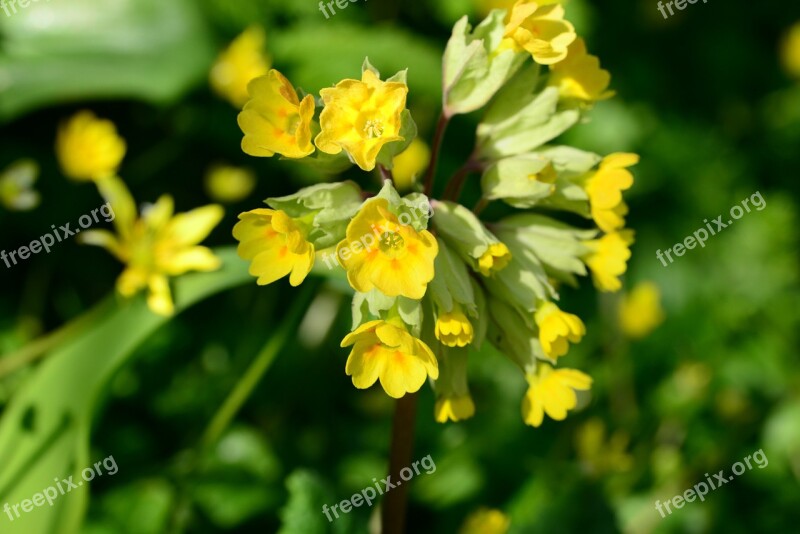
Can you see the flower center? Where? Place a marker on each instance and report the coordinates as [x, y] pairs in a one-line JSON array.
[[373, 128], [390, 241]]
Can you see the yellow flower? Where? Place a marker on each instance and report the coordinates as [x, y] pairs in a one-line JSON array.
[[557, 329], [790, 51], [454, 408], [601, 454], [16, 185], [242, 61], [410, 163], [379, 252], [608, 259], [386, 351], [89, 148], [453, 328], [604, 188], [539, 29], [494, 259], [552, 392], [274, 120], [360, 117], [640, 312], [579, 76], [225, 183], [275, 244], [486, 521], [156, 245]]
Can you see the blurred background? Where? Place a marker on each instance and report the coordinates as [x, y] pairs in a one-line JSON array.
[[710, 98]]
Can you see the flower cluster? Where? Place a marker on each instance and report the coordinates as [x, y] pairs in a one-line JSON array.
[[430, 290]]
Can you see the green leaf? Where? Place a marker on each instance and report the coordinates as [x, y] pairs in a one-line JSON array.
[[56, 52], [303, 513], [408, 131], [44, 432]]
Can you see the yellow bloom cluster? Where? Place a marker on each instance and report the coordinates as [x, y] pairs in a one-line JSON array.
[[431, 286]]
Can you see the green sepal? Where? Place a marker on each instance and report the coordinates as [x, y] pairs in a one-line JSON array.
[[523, 281], [473, 71], [369, 66], [408, 131], [452, 283], [481, 322], [513, 181], [512, 335], [413, 209], [462, 230]]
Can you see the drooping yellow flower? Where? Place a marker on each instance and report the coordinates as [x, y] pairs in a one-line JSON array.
[[486, 521], [454, 408], [227, 184], [242, 61], [790, 51], [379, 252], [453, 328], [539, 29], [360, 117], [579, 75], [16, 186], [604, 188], [552, 392], [600, 453], [274, 120], [275, 244], [557, 329], [387, 351], [608, 259], [155, 245], [410, 164], [494, 259], [89, 148], [640, 312]]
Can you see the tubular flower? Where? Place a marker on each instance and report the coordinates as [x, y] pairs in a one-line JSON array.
[[360, 117], [453, 328], [557, 329], [608, 259], [155, 246], [552, 392], [486, 521], [242, 61], [454, 408], [604, 188], [227, 184], [89, 148], [640, 312], [386, 351], [494, 259], [539, 29], [379, 252], [579, 76], [275, 120], [410, 164], [275, 244]]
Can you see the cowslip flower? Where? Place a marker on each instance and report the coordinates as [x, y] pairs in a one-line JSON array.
[[227, 184], [360, 117], [557, 329], [410, 164], [790, 51], [397, 261], [486, 521], [579, 75], [454, 408], [552, 392], [276, 245], [539, 29], [275, 120], [495, 259], [386, 351], [89, 148], [604, 188], [640, 311], [608, 259], [156, 245], [453, 328], [243, 60]]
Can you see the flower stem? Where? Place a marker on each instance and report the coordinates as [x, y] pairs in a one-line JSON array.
[[456, 183], [247, 383], [394, 504], [441, 126]]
